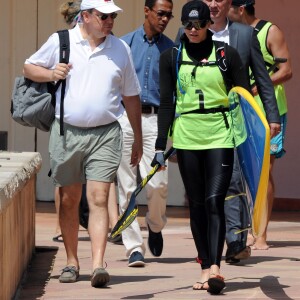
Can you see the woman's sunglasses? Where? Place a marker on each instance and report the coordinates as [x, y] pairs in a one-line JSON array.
[[189, 25]]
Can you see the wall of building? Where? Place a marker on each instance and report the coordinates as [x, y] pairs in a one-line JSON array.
[[284, 14], [25, 26]]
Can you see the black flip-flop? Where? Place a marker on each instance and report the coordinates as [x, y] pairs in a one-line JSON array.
[[58, 238], [216, 285]]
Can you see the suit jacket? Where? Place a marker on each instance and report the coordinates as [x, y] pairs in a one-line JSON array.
[[180, 32], [243, 39]]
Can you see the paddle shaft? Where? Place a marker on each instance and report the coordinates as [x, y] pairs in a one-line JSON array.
[[151, 173]]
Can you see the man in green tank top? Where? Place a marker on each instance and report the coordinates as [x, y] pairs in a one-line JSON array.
[[273, 45]]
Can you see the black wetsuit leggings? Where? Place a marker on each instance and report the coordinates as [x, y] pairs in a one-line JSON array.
[[206, 176]]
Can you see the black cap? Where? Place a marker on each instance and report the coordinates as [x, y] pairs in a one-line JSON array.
[[242, 2], [195, 10]]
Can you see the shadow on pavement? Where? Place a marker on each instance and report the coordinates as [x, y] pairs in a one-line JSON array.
[[37, 275]]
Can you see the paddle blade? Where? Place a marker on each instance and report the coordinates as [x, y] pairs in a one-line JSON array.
[[124, 221], [131, 211]]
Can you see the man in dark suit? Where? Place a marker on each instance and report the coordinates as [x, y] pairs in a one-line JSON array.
[[243, 38], [273, 45]]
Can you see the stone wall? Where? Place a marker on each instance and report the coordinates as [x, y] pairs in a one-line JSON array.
[[17, 217]]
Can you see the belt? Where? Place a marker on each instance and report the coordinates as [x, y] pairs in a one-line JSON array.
[[211, 110], [148, 109], [221, 110], [206, 111]]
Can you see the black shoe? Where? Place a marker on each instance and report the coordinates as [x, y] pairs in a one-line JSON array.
[[136, 259], [232, 260], [155, 242], [233, 249], [234, 255], [244, 254]]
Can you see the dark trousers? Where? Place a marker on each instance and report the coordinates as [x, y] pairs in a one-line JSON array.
[[206, 176], [237, 213], [84, 209]]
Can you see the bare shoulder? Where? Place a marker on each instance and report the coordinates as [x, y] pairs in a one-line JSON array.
[[275, 35]]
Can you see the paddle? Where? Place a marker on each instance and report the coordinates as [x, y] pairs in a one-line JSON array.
[[277, 60], [132, 209]]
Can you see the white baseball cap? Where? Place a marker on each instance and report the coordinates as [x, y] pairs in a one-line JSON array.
[[104, 6]]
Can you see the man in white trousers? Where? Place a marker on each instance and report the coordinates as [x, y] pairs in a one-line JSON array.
[[146, 43]]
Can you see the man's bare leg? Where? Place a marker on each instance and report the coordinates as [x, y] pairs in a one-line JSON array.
[[97, 195], [69, 220], [57, 205], [261, 242], [113, 211]]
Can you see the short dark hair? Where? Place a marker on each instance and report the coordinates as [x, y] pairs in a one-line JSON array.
[[151, 3], [250, 9]]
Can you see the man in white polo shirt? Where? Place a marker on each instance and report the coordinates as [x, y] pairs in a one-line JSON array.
[[100, 73]]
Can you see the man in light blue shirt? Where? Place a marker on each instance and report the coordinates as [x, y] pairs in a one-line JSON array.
[[146, 43]]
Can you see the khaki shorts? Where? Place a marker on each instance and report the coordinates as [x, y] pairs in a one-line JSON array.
[[83, 154]]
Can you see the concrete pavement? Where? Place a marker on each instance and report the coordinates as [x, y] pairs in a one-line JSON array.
[[271, 274]]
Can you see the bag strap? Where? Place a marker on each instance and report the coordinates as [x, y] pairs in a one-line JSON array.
[[223, 64], [175, 58], [260, 25], [64, 51], [64, 55]]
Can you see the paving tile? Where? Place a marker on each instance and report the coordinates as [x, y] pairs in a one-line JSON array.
[[271, 274]]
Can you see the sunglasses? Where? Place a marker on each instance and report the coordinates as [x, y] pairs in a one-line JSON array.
[[103, 17], [161, 13], [189, 25]]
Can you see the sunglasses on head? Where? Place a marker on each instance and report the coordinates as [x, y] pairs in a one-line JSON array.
[[189, 25], [103, 17]]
